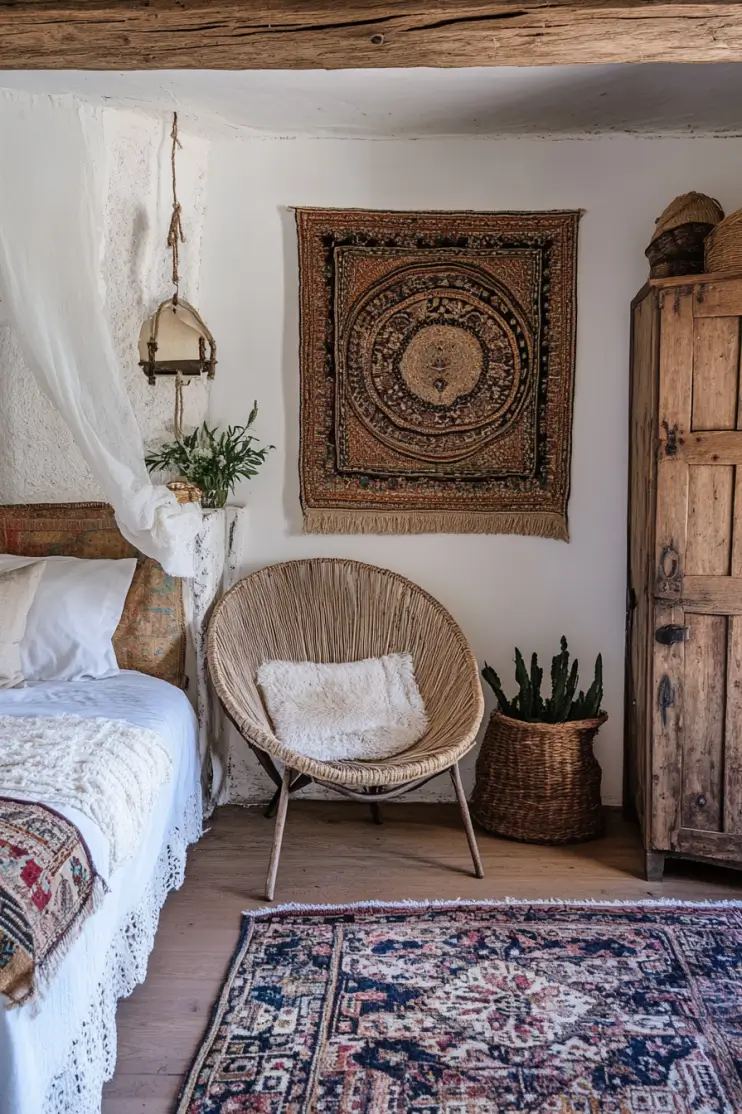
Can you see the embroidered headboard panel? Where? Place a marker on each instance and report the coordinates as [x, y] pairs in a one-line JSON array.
[[151, 636]]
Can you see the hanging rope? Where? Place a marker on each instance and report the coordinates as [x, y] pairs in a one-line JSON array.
[[179, 406], [175, 235], [175, 238]]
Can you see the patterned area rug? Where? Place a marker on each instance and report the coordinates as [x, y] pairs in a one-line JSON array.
[[478, 1009], [437, 361]]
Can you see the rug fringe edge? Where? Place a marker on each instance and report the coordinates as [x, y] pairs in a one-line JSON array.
[[502, 903], [543, 524]]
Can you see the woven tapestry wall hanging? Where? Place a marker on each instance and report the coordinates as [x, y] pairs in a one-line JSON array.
[[437, 366]]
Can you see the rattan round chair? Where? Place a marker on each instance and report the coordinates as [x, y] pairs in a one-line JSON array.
[[326, 610]]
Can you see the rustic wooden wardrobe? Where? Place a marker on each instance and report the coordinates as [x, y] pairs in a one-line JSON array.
[[684, 608]]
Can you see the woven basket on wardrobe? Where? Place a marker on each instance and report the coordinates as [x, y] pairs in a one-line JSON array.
[[539, 782], [723, 248], [680, 233]]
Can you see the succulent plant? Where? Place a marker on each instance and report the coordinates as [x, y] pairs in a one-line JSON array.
[[563, 704]]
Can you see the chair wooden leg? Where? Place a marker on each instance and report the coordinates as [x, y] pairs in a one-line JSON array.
[[463, 805], [283, 804], [376, 814]]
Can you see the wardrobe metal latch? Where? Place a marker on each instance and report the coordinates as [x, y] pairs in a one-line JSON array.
[[671, 634], [671, 439], [665, 697]]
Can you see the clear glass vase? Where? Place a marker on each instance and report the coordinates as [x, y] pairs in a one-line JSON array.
[[217, 497]]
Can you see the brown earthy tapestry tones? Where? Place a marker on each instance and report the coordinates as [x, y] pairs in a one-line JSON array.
[[437, 367]]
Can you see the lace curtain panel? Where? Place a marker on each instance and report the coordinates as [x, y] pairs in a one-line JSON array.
[[52, 189]]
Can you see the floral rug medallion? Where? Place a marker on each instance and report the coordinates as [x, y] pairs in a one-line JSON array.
[[478, 1009]]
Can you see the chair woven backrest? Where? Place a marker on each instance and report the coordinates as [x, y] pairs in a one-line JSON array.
[[326, 610]]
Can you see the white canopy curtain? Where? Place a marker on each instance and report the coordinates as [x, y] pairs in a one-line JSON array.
[[52, 185]]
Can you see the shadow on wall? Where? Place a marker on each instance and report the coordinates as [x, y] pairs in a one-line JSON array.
[[290, 369]]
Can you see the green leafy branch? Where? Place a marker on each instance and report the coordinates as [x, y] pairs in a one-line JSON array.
[[214, 460]]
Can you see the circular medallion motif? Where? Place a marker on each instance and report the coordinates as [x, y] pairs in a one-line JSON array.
[[437, 361], [441, 363]]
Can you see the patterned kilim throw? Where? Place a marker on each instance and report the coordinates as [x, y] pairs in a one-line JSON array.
[[47, 889], [437, 365], [476, 1009]]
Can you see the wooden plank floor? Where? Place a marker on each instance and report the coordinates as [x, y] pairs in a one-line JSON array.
[[333, 853]]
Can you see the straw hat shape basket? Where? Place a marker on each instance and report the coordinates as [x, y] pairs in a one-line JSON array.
[[326, 610], [724, 246]]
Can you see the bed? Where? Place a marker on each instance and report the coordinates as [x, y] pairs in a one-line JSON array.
[[56, 1052]]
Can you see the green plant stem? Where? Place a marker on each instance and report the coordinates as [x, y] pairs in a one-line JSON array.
[[562, 706]]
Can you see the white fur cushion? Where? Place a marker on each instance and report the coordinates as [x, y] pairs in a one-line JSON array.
[[17, 590], [357, 709]]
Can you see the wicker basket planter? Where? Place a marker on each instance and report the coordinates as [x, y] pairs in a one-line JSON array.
[[539, 782]]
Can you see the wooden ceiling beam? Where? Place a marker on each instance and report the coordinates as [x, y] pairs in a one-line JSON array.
[[339, 34]]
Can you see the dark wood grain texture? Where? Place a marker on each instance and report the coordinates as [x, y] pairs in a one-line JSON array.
[[311, 34], [641, 560], [715, 447], [715, 376], [674, 405], [692, 745], [333, 852]]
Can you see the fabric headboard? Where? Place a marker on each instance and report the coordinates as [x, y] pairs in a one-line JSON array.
[[151, 636]]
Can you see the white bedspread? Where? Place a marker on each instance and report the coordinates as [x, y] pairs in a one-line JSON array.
[[35, 1044], [107, 768]]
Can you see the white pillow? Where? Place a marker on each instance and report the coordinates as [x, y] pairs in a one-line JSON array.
[[17, 590], [353, 710], [73, 617]]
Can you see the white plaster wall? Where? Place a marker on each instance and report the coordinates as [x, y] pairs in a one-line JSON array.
[[39, 461], [503, 590]]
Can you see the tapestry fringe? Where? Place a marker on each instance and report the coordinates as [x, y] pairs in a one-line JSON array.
[[492, 903], [527, 523]]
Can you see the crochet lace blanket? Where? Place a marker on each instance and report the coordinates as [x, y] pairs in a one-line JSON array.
[[91, 1056], [108, 769]]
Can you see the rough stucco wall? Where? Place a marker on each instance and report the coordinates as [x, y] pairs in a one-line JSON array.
[[39, 461]]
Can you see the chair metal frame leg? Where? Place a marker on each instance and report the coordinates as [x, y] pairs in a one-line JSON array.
[[283, 804], [298, 783], [471, 838]]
